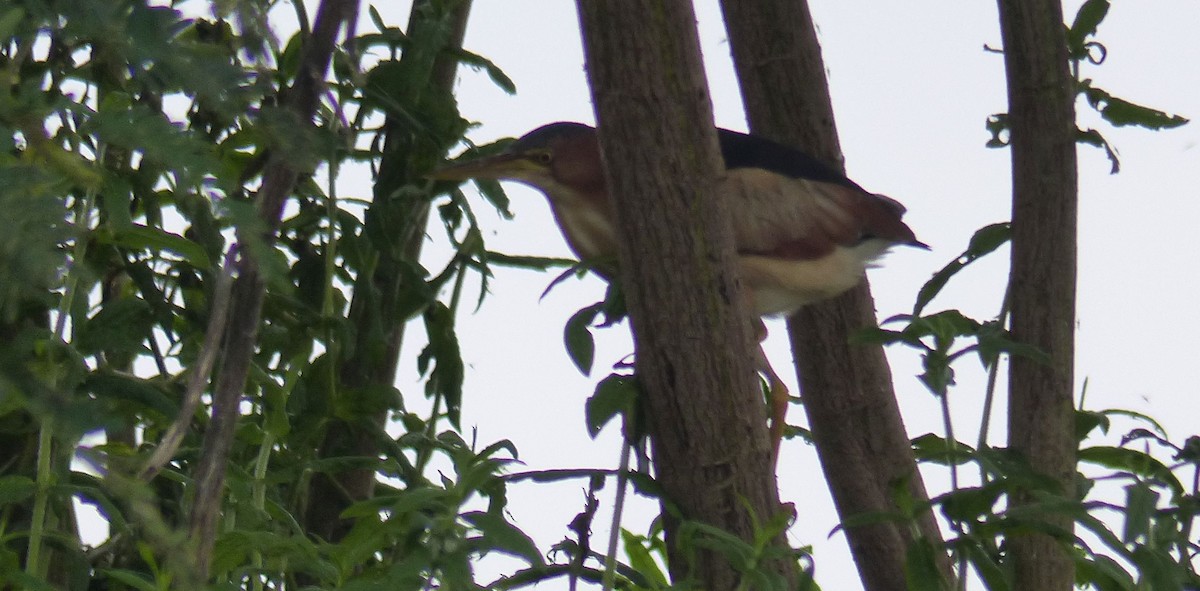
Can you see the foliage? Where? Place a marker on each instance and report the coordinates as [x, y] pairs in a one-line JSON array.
[[1116, 111], [1156, 547], [134, 140]]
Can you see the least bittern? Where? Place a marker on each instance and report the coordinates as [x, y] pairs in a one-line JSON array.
[[803, 231]]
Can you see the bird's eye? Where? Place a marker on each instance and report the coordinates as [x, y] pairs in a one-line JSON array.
[[542, 157]]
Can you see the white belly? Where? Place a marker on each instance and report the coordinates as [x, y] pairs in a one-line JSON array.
[[780, 286]]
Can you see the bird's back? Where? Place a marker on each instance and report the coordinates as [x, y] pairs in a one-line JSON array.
[[786, 203]]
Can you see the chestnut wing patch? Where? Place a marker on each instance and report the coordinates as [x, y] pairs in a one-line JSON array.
[[801, 219]]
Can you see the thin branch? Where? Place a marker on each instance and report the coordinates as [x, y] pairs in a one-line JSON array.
[[279, 179], [614, 534], [198, 379]]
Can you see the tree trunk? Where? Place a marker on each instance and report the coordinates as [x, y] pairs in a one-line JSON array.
[[692, 334], [1041, 96], [370, 363], [847, 389]]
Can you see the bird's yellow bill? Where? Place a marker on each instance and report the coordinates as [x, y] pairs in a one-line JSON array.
[[500, 166]]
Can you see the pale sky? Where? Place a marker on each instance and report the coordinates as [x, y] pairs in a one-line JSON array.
[[912, 87]]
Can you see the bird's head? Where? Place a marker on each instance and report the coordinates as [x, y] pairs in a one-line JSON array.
[[561, 159]]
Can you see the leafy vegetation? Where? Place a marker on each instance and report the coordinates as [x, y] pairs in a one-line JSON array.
[[135, 139]]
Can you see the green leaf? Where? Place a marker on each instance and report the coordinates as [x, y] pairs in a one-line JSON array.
[[146, 393], [131, 578], [614, 307], [493, 71], [1102, 573], [1121, 112], [16, 488], [376, 19], [615, 395], [1092, 137], [233, 548], [367, 402], [32, 255], [938, 375], [943, 326], [880, 336], [1158, 569], [502, 445], [137, 127], [1133, 414], [1012, 467], [921, 569], [10, 20], [577, 336], [528, 262], [1140, 506], [988, 567], [642, 561], [494, 193], [416, 500], [988, 238], [121, 326], [936, 449], [1190, 452], [971, 503], [985, 240], [139, 237], [578, 270], [1089, 17], [447, 375], [997, 125], [1133, 461], [504, 536], [1087, 421], [994, 339]]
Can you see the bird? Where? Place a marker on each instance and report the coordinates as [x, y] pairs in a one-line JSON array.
[[803, 231]]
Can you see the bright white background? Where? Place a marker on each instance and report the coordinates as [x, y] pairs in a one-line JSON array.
[[912, 87]]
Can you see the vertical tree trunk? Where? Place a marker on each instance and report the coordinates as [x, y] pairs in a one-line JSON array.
[[376, 298], [1041, 112], [847, 389], [692, 335]]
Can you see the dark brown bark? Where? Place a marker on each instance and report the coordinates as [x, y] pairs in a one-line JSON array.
[[692, 336], [279, 179], [1041, 111], [375, 301], [847, 389]]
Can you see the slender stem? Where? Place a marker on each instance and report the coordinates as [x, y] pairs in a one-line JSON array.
[[33, 563], [426, 452], [199, 378], [331, 208], [989, 398], [331, 211], [951, 442], [260, 498], [610, 557], [955, 525], [456, 295], [327, 312], [952, 445], [45, 464], [989, 401]]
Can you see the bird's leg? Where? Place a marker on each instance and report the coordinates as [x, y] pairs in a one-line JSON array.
[[779, 396]]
